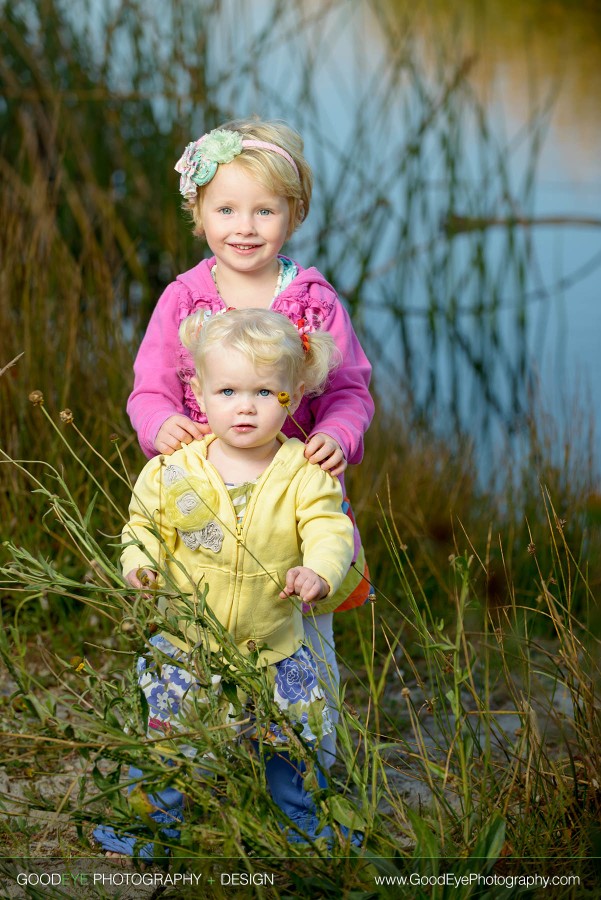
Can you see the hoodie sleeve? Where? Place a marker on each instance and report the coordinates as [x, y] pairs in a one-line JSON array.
[[327, 534], [345, 410], [147, 539], [158, 392]]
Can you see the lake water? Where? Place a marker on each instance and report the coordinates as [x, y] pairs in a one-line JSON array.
[[412, 113]]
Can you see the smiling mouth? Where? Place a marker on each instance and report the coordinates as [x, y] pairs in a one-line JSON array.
[[245, 246]]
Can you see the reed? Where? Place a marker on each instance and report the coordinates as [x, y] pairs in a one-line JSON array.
[[467, 743]]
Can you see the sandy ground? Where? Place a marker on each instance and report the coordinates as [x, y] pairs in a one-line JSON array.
[[42, 855]]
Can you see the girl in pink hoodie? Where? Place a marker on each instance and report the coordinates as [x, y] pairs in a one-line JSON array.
[[247, 187]]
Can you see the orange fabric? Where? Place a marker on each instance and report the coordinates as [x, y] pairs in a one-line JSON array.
[[360, 595]]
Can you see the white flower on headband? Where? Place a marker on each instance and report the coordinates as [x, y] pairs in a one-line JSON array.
[[200, 159], [187, 166]]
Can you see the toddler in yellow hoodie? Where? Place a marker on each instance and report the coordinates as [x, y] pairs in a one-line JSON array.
[[241, 524]]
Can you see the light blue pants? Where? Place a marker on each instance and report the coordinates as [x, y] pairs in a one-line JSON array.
[[319, 637]]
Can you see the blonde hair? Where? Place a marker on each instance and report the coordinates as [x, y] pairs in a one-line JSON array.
[[268, 339], [269, 169]]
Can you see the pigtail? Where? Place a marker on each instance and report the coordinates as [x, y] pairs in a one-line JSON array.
[[321, 357], [189, 330]]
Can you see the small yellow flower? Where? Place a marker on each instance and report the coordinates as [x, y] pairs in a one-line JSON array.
[[284, 401], [66, 416], [37, 398]]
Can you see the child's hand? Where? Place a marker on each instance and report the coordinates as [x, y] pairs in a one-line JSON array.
[[141, 578], [325, 451], [305, 583], [178, 430]]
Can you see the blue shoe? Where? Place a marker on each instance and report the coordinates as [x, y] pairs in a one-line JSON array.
[[169, 810], [125, 844]]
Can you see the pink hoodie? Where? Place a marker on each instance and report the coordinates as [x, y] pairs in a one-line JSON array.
[[163, 367]]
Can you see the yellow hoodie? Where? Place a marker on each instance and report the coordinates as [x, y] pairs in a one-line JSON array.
[[183, 525]]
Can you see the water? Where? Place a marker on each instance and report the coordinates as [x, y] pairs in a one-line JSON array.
[[472, 325]]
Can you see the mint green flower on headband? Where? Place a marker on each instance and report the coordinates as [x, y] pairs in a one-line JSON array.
[[222, 146]]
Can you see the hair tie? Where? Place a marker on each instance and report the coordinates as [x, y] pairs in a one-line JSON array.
[[303, 330], [200, 160]]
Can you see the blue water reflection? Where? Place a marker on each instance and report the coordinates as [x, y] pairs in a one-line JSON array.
[[415, 115]]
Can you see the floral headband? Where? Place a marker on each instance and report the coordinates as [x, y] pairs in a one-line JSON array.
[[200, 159]]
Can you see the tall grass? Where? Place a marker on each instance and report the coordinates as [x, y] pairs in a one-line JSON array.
[[490, 716]]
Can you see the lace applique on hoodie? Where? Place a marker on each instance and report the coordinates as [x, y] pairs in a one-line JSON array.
[[190, 506]]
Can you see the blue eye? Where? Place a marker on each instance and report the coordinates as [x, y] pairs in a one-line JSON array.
[[228, 392], [226, 210], [264, 392], [264, 212]]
